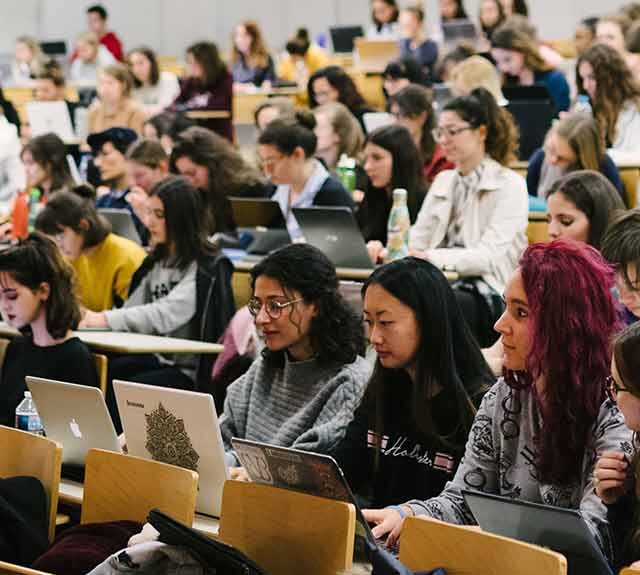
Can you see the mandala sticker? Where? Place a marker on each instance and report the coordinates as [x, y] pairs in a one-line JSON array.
[[168, 441]]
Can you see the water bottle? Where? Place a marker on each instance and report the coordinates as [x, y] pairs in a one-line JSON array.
[[27, 418], [34, 207], [582, 105], [398, 227], [346, 172], [83, 168]]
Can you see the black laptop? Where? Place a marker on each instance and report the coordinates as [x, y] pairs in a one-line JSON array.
[[263, 219], [342, 38]]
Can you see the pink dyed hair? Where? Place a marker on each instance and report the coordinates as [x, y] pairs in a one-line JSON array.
[[572, 320]]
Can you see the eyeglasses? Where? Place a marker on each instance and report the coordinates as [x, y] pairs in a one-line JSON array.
[[613, 388], [268, 162], [441, 133], [273, 307]]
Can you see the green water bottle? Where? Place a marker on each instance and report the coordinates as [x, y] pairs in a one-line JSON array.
[[346, 172], [34, 207]]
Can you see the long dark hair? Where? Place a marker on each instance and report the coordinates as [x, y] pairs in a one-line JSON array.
[[36, 260], [213, 68], [336, 332], [154, 71], [49, 151], [290, 132], [448, 357], [184, 221], [341, 81]]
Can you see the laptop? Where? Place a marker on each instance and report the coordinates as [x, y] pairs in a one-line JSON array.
[[177, 427], [122, 223], [374, 120], [263, 220], [342, 38], [563, 530], [301, 471], [75, 416], [462, 29], [46, 117], [335, 232], [442, 95], [372, 56], [54, 48]]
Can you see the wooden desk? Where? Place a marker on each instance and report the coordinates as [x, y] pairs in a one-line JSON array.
[[127, 342], [208, 114], [246, 101]]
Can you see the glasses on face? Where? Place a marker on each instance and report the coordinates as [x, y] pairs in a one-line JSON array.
[[269, 162], [273, 307], [613, 388], [442, 133]]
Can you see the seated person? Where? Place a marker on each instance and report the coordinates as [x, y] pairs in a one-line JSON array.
[[28, 60], [109, 148], [153, 89], [270, 109], [409, 432], [165, 128], [399, 74], [621, 248], [97, 18], [302, 391], [147, 164], [384, 16], [301, 59], [36, 288], [90, 56], [507, 454], [286, 148], [573, 143], [477, 72], [50, 86], [104, 263], [414, 42], [13, 174], [182, 289], [251, 62]]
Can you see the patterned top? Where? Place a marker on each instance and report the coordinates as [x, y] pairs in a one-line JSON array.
[[500, 459], [464, 187]]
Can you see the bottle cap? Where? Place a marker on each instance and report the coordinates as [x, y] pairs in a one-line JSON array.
[[399, 193], [27, 394]]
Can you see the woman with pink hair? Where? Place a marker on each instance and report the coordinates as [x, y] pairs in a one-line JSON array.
[[542, 426]]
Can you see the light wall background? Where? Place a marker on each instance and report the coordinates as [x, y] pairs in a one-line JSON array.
[[169, 26]]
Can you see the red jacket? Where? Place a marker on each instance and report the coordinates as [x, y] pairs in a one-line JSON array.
[[111, 42]]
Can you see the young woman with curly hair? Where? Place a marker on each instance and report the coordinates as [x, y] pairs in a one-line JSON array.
[[615, 96], [541, 427], [303, 389]]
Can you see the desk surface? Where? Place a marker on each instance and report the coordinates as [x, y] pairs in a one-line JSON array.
[[126, 342]]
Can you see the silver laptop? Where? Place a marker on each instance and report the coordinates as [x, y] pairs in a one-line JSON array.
[[177, 427], [46, 117], [122, 223], [374, 120], [75, 416]]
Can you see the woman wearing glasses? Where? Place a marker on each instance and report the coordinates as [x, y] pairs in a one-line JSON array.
[[474, 218], [543, 425], [303, 389], [615, 475]]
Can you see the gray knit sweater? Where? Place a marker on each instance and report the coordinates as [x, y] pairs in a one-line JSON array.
[[500, 459], [305, 405]]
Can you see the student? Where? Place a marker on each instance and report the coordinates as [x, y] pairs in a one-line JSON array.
[[183, 289], [612, 30], [251, 62], [152, 89], [270, 109], [207, 86], [47, 171], [585, 35], [615, 472], [302, 390], [302, 58], [211, 164], [338, 132], [512, 7], [518, 57], [333, 84], [408, 434], [411, 108], [12, 172], [147, 164], [621, 248], [546, 320], [398, 74], [414, 42], [477, 72], [614, 95], [573, 143], [391, 160], [452, 10], [491, 17], [384, 14], [108, 149], [460, 53], [91, 56], [286, 149], [580, 206], [36, 288], [103, 262], [116, 108], [29, 61], [50, 86], [165, 128], [474, 218], [97, 20]]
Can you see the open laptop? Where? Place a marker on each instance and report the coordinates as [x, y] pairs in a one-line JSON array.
[[334, 231], [372, 56], [262, 218], [459, 30], [442, 95], [342, 38], [374, 120], [46, 117], [177, 427], [75, 416], [122, 223], [563, 530], [302, 471]]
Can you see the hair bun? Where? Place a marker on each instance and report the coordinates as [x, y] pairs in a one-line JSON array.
[[85, 191], [306, 119]]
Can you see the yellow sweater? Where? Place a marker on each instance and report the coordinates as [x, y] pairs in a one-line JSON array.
[[314, 59], [103, 277]]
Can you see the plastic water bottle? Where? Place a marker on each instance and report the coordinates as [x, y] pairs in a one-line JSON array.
[[583, 106], [346, 172], [34, 207], [398, 227], [27, 418]]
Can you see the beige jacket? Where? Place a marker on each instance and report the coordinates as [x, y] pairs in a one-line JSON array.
[[496, 218], [129, 115]]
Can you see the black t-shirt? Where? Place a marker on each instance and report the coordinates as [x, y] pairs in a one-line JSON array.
[[69, 361], [411, 464]]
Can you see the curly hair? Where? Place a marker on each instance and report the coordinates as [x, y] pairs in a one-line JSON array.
[[615, 85], [572, 317], [34, 261], [336, 332], [480, 109], [339, 80]]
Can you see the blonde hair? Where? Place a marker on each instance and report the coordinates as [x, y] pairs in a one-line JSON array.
[[345, 124], [120, 73], [91, 39], [584, 138], [478, 72]]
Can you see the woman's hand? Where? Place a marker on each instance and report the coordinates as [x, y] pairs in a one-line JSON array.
[[93, 319], [610, 476], [377, 251], [388, 522], [138, 199], [239, 474]]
